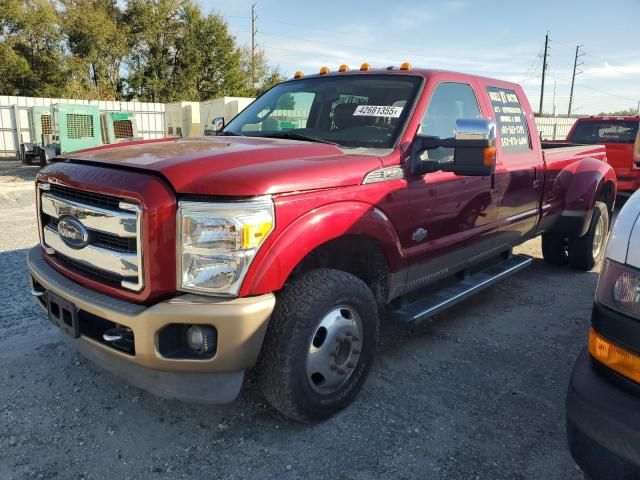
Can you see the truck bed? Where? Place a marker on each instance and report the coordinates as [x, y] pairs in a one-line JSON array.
[[561, 152]]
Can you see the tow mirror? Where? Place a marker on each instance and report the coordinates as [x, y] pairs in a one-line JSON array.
[[217, 125], [474, 149]]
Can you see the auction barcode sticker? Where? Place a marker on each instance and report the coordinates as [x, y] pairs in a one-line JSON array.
[[377, 111]]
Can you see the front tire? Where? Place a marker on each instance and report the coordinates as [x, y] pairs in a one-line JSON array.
[[586, 252], [319, 346]]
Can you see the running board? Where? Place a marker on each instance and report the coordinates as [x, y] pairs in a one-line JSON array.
[[432, 304]]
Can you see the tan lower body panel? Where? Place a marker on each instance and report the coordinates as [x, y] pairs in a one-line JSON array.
[[241, 322]]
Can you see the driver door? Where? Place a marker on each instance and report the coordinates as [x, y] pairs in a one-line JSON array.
[[451, 216]]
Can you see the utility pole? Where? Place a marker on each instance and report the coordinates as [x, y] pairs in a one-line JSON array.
[[576, 71], [544, 69], [254, 30]]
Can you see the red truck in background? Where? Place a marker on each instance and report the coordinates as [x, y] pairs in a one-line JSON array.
[[331, 202], [618, 135]]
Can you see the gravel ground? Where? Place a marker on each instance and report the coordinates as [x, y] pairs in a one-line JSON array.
[[476, 393]]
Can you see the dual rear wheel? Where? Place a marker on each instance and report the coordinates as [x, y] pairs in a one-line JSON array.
[[582, 253]]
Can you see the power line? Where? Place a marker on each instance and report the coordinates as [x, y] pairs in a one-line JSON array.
[[533, 66], [588, 87]]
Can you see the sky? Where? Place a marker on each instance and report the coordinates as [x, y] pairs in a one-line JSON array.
[[495, 38]]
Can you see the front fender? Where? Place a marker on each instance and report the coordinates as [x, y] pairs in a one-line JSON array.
[[580, 185], [273, 264]]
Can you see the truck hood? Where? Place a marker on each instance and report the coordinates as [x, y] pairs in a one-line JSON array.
[[237, 166]]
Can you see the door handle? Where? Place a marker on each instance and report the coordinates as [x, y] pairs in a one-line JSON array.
[[536, 180], [493, 191]]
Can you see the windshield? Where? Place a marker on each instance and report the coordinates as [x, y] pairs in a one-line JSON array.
[[349, 110], [617, 131]]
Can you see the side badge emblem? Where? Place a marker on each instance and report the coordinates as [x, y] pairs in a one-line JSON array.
[[419, 235]]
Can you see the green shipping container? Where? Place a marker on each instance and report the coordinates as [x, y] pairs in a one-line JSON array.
[[39, 124], [75, 127]]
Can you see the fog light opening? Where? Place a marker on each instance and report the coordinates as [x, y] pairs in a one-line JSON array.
[[201, 338]]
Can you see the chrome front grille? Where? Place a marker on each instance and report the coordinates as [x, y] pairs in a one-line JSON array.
[[111, 246]]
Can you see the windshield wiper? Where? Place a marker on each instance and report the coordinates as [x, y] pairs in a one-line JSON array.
[[299, 136], [229, 134]]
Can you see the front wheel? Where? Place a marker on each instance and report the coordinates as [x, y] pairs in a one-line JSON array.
[[319, 346], [586, 252]]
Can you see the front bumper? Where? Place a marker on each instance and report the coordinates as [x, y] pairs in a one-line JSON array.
[[241, 324], [603, 421]]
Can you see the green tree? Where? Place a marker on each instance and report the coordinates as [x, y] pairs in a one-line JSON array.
[[155, 29], [97, 41], [207, 59], [259, 75], [629, 112], [31, 48]]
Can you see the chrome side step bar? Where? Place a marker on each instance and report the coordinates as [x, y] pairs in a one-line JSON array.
[[434, 303]]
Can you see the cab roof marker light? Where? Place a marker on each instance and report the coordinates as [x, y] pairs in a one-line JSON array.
[[365, 67], [324, 70], [405, 66], [343, 68], [298, 74]]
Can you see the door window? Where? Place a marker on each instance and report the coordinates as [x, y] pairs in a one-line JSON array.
[[449, 102]]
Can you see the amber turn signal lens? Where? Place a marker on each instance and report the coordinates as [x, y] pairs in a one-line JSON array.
[[489, 156], [405, 66], [324, 70], [298, 74], [343, 68], [614, 357], [365, 67]]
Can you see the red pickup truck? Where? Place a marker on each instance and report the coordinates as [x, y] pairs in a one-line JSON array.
[[331, 202], [618, 135]]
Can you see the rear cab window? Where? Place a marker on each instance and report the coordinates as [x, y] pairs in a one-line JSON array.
[[511, 120], [604, 131]]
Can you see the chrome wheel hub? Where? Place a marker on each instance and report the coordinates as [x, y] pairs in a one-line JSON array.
[[334, 349], [598, 237]]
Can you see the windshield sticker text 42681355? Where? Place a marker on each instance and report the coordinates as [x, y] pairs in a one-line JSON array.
[[377, 111]]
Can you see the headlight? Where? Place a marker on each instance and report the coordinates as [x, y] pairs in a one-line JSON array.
[[619, 288], [218, 241]]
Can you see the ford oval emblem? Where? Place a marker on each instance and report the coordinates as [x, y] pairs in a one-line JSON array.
[[73, 232]]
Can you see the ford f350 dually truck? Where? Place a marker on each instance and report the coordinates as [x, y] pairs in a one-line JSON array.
[[279, 244]]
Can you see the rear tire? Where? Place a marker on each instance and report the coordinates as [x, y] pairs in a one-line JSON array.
[[586, 252], [319, 346], [554, 249]]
